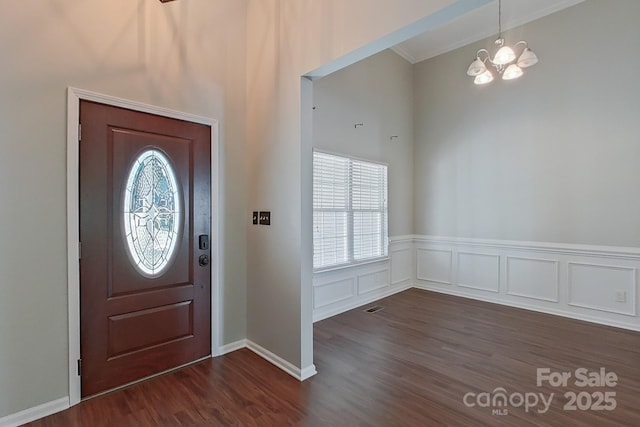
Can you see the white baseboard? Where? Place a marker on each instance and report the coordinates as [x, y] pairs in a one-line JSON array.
[[555, 312], [300, 374], [289, 368], [308, 372], [228, 348], [35, 413], [355, 303]]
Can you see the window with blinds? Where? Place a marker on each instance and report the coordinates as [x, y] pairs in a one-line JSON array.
[[349, 211]]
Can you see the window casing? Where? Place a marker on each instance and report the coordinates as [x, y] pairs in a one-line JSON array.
[[349, 211]]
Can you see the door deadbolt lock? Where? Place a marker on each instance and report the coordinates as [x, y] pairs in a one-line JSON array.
[[203, 242], [203, 260]]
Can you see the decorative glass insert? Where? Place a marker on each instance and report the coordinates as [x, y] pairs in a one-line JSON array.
[[151, 212]]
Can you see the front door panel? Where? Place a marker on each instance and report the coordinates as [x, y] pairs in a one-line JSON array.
[[144, 201]]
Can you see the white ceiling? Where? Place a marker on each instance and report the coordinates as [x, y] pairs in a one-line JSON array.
[[477, 25]]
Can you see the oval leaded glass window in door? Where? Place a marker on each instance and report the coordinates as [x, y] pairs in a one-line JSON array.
[[151, 213]]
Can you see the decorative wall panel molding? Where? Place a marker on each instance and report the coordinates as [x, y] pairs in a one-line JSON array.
[[402, 265], [339, 290], [610, 288], [533, 278], [587, 282], [593, 283], [333, 292], [434, 265], [373, 281], [479, 271]]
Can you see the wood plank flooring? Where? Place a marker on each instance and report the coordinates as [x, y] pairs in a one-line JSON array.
[[410, 364]]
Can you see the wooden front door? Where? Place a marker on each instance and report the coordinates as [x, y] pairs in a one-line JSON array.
[[145, 219]]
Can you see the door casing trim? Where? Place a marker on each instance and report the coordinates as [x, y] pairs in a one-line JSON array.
[[74, 96]]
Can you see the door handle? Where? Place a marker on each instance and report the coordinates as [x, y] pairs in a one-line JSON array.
[[203, 261]]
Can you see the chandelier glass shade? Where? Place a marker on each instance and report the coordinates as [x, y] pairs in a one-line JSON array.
[[505, 62]]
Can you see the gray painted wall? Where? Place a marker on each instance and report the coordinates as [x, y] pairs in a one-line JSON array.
[[553, 156], [286, 40], [376, 92], [182, 55]]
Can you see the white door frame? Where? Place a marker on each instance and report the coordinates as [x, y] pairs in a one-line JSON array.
[[74, 96]]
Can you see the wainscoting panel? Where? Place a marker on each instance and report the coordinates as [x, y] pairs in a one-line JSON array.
[[402, 265], [479, 271], [373, 281], [593, 283], [533, 278], [342, 289], [434, 265], [607, 288], [333, 292], [587, 282]]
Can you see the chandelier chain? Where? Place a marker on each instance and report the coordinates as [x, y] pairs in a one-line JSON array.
[[500, 18]]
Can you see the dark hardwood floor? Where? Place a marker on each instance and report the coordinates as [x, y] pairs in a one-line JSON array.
[[410, 364]]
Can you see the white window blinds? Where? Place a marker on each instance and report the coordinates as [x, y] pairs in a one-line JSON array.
[[349, 210]]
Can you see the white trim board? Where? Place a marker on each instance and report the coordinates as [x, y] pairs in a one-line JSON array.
[[74, 95], [274, 359], [530, 307], [35, 413], [620, 252], [231, 347]]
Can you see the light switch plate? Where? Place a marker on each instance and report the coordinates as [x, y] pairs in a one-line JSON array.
[[265, 217]]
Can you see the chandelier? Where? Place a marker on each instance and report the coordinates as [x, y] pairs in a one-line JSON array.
[[503, 61]]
